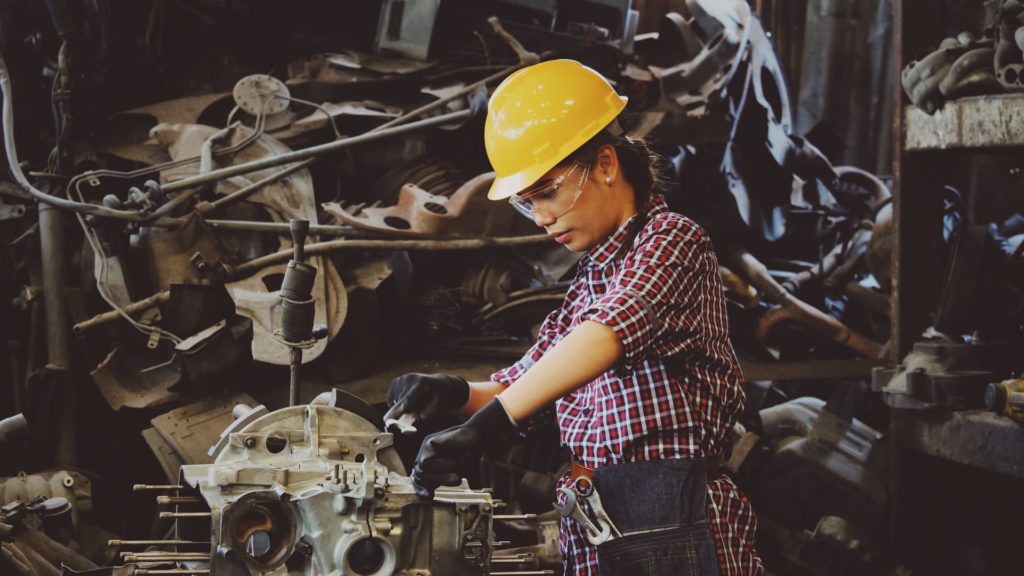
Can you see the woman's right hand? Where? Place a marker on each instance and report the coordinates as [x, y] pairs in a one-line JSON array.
[[424, 396]]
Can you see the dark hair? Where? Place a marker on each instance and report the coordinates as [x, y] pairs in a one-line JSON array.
[[640, 167]]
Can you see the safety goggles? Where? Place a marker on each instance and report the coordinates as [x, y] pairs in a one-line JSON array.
[[555, 198]]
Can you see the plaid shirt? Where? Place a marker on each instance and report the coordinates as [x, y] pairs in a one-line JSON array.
[[678, 389]]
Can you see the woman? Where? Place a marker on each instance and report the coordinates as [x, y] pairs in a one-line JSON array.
[[637, 357]]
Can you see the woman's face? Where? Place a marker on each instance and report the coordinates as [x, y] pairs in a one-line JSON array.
[[604, 202]]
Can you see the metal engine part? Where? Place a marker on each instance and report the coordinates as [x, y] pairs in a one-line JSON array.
[[819, 480], [961, 66], [946, 375], [75, 487], [320, 490], [1009, 52]]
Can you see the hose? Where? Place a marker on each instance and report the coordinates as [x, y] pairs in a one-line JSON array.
[[19, 176]]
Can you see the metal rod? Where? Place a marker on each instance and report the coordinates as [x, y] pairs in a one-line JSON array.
[[53, 250], [295, 358], [186, 514], [511, 559], [139, 487], [168, 500], [144, 572], [132, 308], [168, 556], [313, 151], [270, 227], [508, 517], [519, 573], [246, 191], [316, 248], [155, 543]]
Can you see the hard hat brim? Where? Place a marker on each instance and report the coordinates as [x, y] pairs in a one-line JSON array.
[[511, 184]]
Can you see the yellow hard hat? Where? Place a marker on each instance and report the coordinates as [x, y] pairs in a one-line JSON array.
[[541, 114]]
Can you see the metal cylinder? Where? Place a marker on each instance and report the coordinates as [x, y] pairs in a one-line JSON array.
[[13, 430], [297, 319], [58, 326], [298, 281]]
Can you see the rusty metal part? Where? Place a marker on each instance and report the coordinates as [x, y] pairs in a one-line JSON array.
[[525, 56], [185, 255], [736, 288], [134, 307], [793, 307], [129, 381], [285, 198], [831, 262], [467, 213], [340, 245]]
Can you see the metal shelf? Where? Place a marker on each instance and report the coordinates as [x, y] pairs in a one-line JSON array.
[[994, 121], [974, 438]]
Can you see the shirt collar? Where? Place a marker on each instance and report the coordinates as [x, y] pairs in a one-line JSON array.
[[604, 253]]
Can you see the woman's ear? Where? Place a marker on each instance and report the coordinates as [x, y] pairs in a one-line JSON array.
[[607, 164]]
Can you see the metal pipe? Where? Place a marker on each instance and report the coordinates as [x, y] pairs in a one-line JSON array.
[[113, 543], [815, 319], [140, 487], [170, 500], [247, 191], [270, 227], [13, 429], [186, 514], [295, 361], [129, 309], [15, 165], [257, 264], [58, 327], [146, 572], [314, 151]]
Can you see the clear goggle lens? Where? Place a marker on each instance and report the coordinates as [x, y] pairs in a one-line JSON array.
[[554, 198]]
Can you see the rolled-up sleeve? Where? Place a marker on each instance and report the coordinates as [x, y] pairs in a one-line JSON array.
[[656, 290]]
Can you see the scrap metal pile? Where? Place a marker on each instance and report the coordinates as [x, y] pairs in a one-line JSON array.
[[966, 65], [147, 290]]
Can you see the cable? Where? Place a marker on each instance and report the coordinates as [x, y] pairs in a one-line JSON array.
[[19, 176]]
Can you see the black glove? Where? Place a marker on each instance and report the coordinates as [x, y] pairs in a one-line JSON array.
[[442, 454], [425, 395]]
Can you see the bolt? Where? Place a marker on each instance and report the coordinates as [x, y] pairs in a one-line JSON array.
[[249, 442], [68, 482]]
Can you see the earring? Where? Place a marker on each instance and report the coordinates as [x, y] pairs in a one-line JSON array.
[[607, 180]]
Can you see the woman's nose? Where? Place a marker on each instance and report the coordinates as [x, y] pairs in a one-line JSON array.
[[542, 219]]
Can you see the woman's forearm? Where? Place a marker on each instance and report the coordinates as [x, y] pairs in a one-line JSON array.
[[583, 355], [480, 393]]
